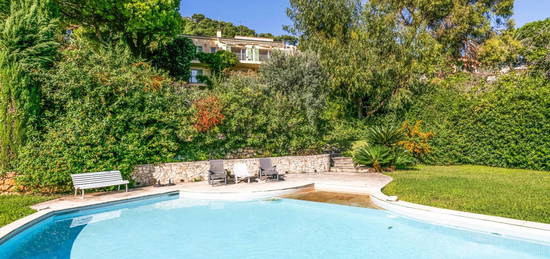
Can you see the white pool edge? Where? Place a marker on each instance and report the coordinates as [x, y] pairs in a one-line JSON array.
[[506, 227]]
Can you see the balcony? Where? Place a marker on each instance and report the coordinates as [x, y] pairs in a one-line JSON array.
[[261, 58]]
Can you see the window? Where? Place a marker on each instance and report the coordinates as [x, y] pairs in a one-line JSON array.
[[199, 49], [195, 73], [213, 50]]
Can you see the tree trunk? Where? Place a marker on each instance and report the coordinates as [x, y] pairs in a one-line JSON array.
[[359, 107]]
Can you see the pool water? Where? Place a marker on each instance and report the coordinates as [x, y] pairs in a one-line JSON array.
[[174, 227]]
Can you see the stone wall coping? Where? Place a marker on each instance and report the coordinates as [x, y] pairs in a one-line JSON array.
[[235, 159]]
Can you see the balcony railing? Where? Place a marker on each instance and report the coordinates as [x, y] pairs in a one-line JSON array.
[[243, 57]]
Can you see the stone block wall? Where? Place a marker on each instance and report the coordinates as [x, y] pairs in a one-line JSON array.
[[197, 171], [7, 183]]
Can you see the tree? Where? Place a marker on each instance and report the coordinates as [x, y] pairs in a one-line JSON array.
[[535, 37], [218, 62], [176, 57], [27, 44], [324, 19], [200, 25], [374, 62], [456, 25], [500, 50], [142, 24], [300, 78]]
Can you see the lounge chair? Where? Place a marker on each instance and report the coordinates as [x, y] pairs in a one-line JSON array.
[[267, 168], [216, 172], [240, 170]]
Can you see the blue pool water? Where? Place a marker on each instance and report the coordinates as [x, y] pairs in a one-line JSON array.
[[174, 227]]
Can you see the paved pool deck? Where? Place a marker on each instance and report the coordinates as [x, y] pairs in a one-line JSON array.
[[359, 183]]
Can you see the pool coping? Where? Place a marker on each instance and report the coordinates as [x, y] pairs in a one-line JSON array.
[[506, 227]]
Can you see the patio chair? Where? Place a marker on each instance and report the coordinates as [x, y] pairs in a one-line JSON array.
[[216, 172], [267, 168], [240, 170]]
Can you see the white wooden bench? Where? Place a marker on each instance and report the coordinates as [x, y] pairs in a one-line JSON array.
[[97, 180]]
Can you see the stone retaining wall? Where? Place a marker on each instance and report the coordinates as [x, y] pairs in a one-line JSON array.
[[7, 183], [197, 171]]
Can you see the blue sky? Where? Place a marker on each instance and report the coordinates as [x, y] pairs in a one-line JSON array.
[[270, 15]]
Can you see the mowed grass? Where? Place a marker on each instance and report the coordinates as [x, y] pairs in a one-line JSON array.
[[512, 193], [13, 207]]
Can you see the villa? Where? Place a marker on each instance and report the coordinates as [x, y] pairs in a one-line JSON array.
[[251, 52]]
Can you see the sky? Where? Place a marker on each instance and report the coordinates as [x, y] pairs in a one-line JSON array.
[[270, 15]]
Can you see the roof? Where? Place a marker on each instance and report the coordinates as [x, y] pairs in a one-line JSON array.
[[241, 40]]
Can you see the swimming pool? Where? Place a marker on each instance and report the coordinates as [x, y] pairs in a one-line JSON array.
[[175, 227]]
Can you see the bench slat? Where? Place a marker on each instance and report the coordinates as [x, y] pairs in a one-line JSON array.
[[99, 185], [97, 179]]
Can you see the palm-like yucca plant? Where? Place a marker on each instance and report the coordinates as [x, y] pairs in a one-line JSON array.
[[385, 135], [377, 157]]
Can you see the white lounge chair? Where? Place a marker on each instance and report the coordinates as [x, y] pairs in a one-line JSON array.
[[240, 170]]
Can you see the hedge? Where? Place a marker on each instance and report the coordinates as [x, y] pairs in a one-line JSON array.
[[504, 123]]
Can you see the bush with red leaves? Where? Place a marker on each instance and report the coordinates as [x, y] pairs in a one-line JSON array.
[[209, 113]]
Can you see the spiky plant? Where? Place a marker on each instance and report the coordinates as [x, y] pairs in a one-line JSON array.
[[377, 157], [385, 135]]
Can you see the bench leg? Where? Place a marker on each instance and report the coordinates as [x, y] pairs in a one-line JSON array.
[[119, 187], [75, 191], [126, 187], [82, 194]]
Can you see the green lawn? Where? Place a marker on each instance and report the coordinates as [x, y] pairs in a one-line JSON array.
[[13, 207], [512, 193]]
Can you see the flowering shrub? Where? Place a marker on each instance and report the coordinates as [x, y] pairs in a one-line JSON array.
[[416, 141], [209, 113]]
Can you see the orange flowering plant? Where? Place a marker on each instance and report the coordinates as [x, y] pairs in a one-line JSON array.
[[416, 141]]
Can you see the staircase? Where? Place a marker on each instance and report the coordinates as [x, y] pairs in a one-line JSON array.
[[345, 165]]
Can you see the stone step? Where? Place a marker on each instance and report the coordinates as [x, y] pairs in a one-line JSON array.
[[350, 167], [345, 170], [343, 163], [341, 158]]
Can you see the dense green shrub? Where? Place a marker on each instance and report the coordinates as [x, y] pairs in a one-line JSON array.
[[257, 122], [105, 111], [264, 116], [27, 45], [504, 124]]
